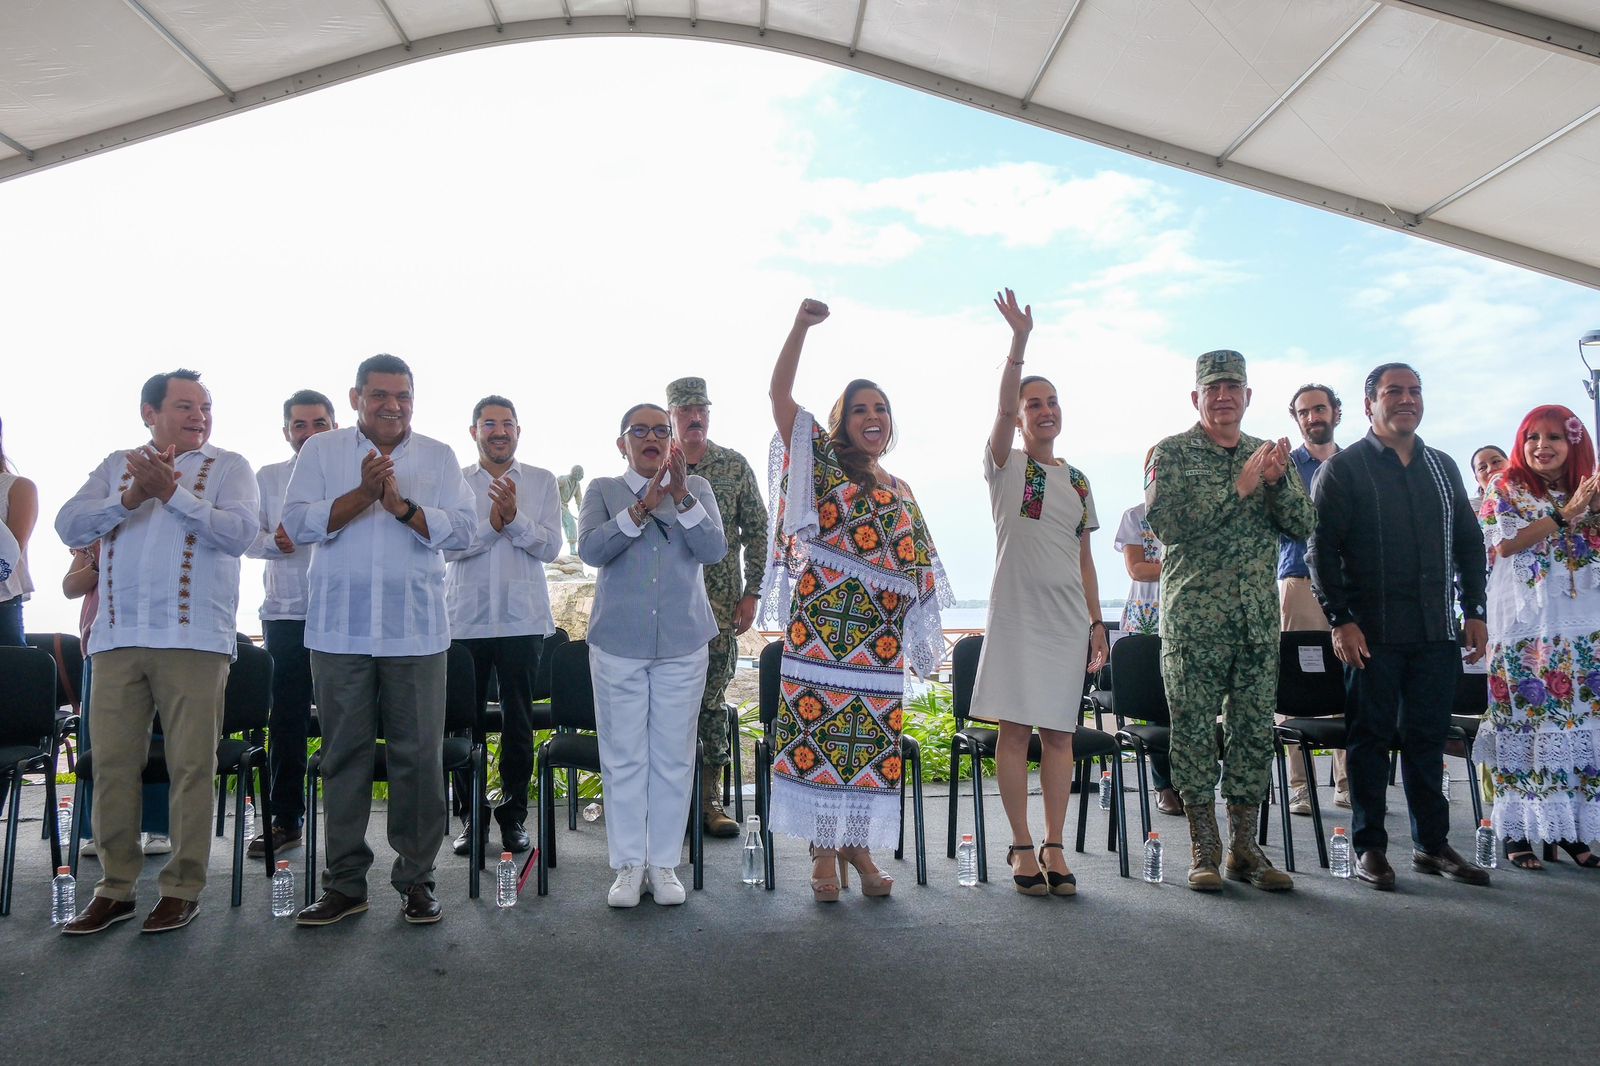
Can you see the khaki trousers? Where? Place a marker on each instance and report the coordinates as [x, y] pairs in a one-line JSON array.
[[128, 686], [1300, 611]]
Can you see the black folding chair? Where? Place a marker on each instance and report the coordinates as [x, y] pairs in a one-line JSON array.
[[1140, 698], [733, 772], [771, 698], [27, 743], [1466, 716], [976, 743], [577, 747], [246, 702], [461, 753], [1311, 696], [67, 652]]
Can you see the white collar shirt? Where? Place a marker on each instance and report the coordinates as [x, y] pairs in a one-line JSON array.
[[376, 586], [169, 572], [285, 576], [496, 588]]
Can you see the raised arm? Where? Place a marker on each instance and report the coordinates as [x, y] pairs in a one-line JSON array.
[[781, 391], [1005, 420]]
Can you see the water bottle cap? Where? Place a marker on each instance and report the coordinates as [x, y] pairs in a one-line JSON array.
[[283, 864], [1486, 824], [63, 870], [966, 838], [505, 856], [1105, 773], [1338, 830], [753, 822], [1155, 836]]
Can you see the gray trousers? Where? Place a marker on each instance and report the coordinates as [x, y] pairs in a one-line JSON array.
[[403, 697]]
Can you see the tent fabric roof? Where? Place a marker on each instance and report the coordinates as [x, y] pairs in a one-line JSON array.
[[1469, 122]]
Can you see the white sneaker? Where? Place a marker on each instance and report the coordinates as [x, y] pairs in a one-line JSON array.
[[156, 844], [1300, 800], [625, 889], [86, 846], [662, 883]]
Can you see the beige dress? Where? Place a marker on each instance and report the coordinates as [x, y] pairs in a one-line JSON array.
[[1036, 644]]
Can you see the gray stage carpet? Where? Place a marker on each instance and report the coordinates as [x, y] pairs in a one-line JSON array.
[[1331, 972]]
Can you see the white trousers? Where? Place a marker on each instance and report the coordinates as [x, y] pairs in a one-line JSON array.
[[647, 712]]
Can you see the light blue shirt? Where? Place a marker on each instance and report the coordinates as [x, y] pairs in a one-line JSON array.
[[650, 599]]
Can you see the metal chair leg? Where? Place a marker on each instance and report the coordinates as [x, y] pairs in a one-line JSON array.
[[311, 832], [900, 840], [736, 764], [51, 806], [1082, 768], [1283, 808], [237, 896], [1119, 809], [917, 816], [955, 796], [1144, 792], [14, 786], [697, 854], [1316, 807], [572, 799], [979, 837], [222, 801], [546, 820], [1474, 785]]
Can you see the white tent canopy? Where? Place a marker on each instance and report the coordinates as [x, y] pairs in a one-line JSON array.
[[1469, 122]]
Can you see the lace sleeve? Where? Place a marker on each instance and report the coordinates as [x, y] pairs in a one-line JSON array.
[[1507, 510], [923, 638], [791, 513]]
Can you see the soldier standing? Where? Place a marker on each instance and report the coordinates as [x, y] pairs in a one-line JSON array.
[[1219, 499], [734, 590]]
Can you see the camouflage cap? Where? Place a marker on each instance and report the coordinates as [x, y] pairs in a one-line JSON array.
[[687, 392], [1220, 365]]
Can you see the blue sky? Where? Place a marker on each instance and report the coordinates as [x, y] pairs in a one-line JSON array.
[[575, 223]]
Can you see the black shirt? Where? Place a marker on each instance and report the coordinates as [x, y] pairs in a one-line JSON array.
[[1394, 542]]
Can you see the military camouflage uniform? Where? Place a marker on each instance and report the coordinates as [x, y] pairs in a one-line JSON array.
[[744, 519], [1219, 608]]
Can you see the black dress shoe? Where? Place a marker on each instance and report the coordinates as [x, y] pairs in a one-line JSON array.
[[463, 843], [1373, 868], [421, 908], [329, 908], [1447, 862], [515, 838]]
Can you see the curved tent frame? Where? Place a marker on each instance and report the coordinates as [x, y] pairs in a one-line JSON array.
[[1466, 122]]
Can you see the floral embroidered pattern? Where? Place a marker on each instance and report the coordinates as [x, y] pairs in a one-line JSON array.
[[190, 539], [106, 565], [1033, 484]]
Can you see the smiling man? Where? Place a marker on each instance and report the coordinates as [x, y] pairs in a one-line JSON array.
[[1219, 500], [733, 585], [283, 623], [380, 504], [1317, 411], [172, 516], [499, 602], [1395, 541]]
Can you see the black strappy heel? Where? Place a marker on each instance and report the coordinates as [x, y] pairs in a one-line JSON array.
[[1060, 884], [1592, 862], [1032, 884], [1520, 853]]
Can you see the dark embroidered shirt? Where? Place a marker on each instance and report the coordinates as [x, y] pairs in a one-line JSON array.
[[1394, 542]]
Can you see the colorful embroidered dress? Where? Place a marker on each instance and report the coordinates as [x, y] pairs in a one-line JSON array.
[[1541, 742], [856, 584]]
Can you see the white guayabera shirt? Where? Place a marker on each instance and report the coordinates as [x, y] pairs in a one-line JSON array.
[[496, 587], [376, 586]]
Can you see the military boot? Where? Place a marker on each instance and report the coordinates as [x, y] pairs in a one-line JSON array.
[[716, 820], [1246, 862], [1205, 847]]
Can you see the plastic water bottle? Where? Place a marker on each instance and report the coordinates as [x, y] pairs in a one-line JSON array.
[[1446, 783], [283, 890], [63, 897], [505, 882], [249, 827], [754, 871], [966, 862], [593, 812], [64, 821], [1105, 790], [1339, 853], [1152, 859], [1486, 845]]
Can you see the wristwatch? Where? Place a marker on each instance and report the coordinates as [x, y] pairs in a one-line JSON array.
[[411, 511], [687, 503]]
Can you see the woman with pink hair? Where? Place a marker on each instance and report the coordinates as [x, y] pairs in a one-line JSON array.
[[1541, 743]]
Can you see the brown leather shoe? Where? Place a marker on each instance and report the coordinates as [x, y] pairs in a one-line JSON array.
[[99, 915], [329, 908], [1373, 868], [282, 840], [170, 913], [1169, 802], [421, 908], [1448, 862]]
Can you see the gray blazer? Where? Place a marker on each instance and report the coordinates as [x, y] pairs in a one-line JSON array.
[[650, 601]]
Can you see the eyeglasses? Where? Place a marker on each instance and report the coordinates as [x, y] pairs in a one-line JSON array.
[[658, 432]]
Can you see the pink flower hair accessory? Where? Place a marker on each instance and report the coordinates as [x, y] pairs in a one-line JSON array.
[[1574, 430]]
